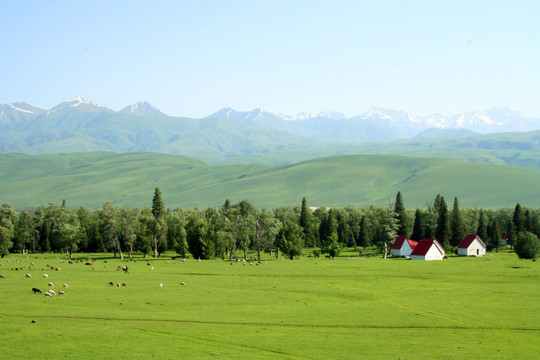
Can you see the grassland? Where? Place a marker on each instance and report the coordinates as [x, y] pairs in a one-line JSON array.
[[348, 308], [91, 179]]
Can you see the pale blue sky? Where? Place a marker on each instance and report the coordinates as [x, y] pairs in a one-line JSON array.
[[191, 58]]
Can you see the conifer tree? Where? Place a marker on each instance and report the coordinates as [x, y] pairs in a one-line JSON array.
[[443, 230], [456, 225], [401, 215], [159, 226], [418, 228], [482, 226]]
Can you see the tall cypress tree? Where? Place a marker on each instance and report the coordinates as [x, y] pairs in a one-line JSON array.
[[443, 231], [305, 223], [456, 225], [158, 211], [401, 215], [482, 226], [366, 238], [494, 233], [418, 228]]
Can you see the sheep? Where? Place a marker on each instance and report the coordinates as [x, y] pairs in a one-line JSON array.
[[50, 284], [65, 285], [111, 283], [183, 260], [52, 292], [36, 291], [29, 276], [58, 269], [48, 294], [183, 283], [124, 285], [62, 293], [117, 284], [125, 268], [2, 277], [161, 285], [45, 275]]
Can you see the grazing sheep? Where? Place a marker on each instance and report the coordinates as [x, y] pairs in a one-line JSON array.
[[184, 260], [111, 283], [126, 270], [50, 284], [32, 263], [45, 275], [65, 285], [124, 285], [58, 269], [161, 285], [36, 291], [2, 277], [29, 276], [183, 283], [62, 293], [52, 292], [48, 294], [117, 284]]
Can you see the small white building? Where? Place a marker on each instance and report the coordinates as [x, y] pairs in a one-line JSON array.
[[472, 245], [428, 249], [403, 247]]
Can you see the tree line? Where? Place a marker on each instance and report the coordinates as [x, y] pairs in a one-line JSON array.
[[233, 229]]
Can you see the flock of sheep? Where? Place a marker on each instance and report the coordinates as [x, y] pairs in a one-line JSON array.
[[50, 285]]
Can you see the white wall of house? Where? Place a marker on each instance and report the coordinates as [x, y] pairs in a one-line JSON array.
[[476, 248], [405, 250], [432, 254]]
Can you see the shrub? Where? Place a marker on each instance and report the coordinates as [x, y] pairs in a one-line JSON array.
[[527, 245]]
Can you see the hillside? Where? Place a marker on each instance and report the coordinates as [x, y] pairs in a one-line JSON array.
[[90, 179]]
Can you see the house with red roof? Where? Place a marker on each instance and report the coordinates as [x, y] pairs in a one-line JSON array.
[[403, 247], [472, 245], [428, 249]]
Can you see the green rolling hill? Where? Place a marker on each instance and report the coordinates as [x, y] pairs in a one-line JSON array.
[[128, 179]]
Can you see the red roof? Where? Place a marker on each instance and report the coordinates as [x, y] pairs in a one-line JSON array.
[[468, 241], [399, 242], [423, 247], [412, 243]]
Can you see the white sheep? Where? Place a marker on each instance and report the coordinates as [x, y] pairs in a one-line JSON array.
[[183, 283], [52, 292], [45, 275], [47, 293], [65, 285], [51, 284], [161, 286], [29, 276], [62, 293]]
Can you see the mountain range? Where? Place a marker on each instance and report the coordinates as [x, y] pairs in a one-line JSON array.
[[257, 136]]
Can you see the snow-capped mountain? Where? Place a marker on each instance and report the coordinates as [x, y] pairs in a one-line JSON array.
[[402, 124], [142, 108]]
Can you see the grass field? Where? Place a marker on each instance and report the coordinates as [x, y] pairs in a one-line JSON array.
[[348, 308], [91, 179]]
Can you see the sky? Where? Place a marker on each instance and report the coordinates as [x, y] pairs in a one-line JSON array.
[[192, 58]]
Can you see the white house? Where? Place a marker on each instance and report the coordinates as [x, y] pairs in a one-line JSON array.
[[428, 249], [472, 245], [402, 246]]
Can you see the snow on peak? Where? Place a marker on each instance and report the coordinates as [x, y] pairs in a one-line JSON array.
[[77, 101]]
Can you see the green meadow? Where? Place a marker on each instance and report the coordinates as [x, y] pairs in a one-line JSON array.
[[349, 308], [91, 179]]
